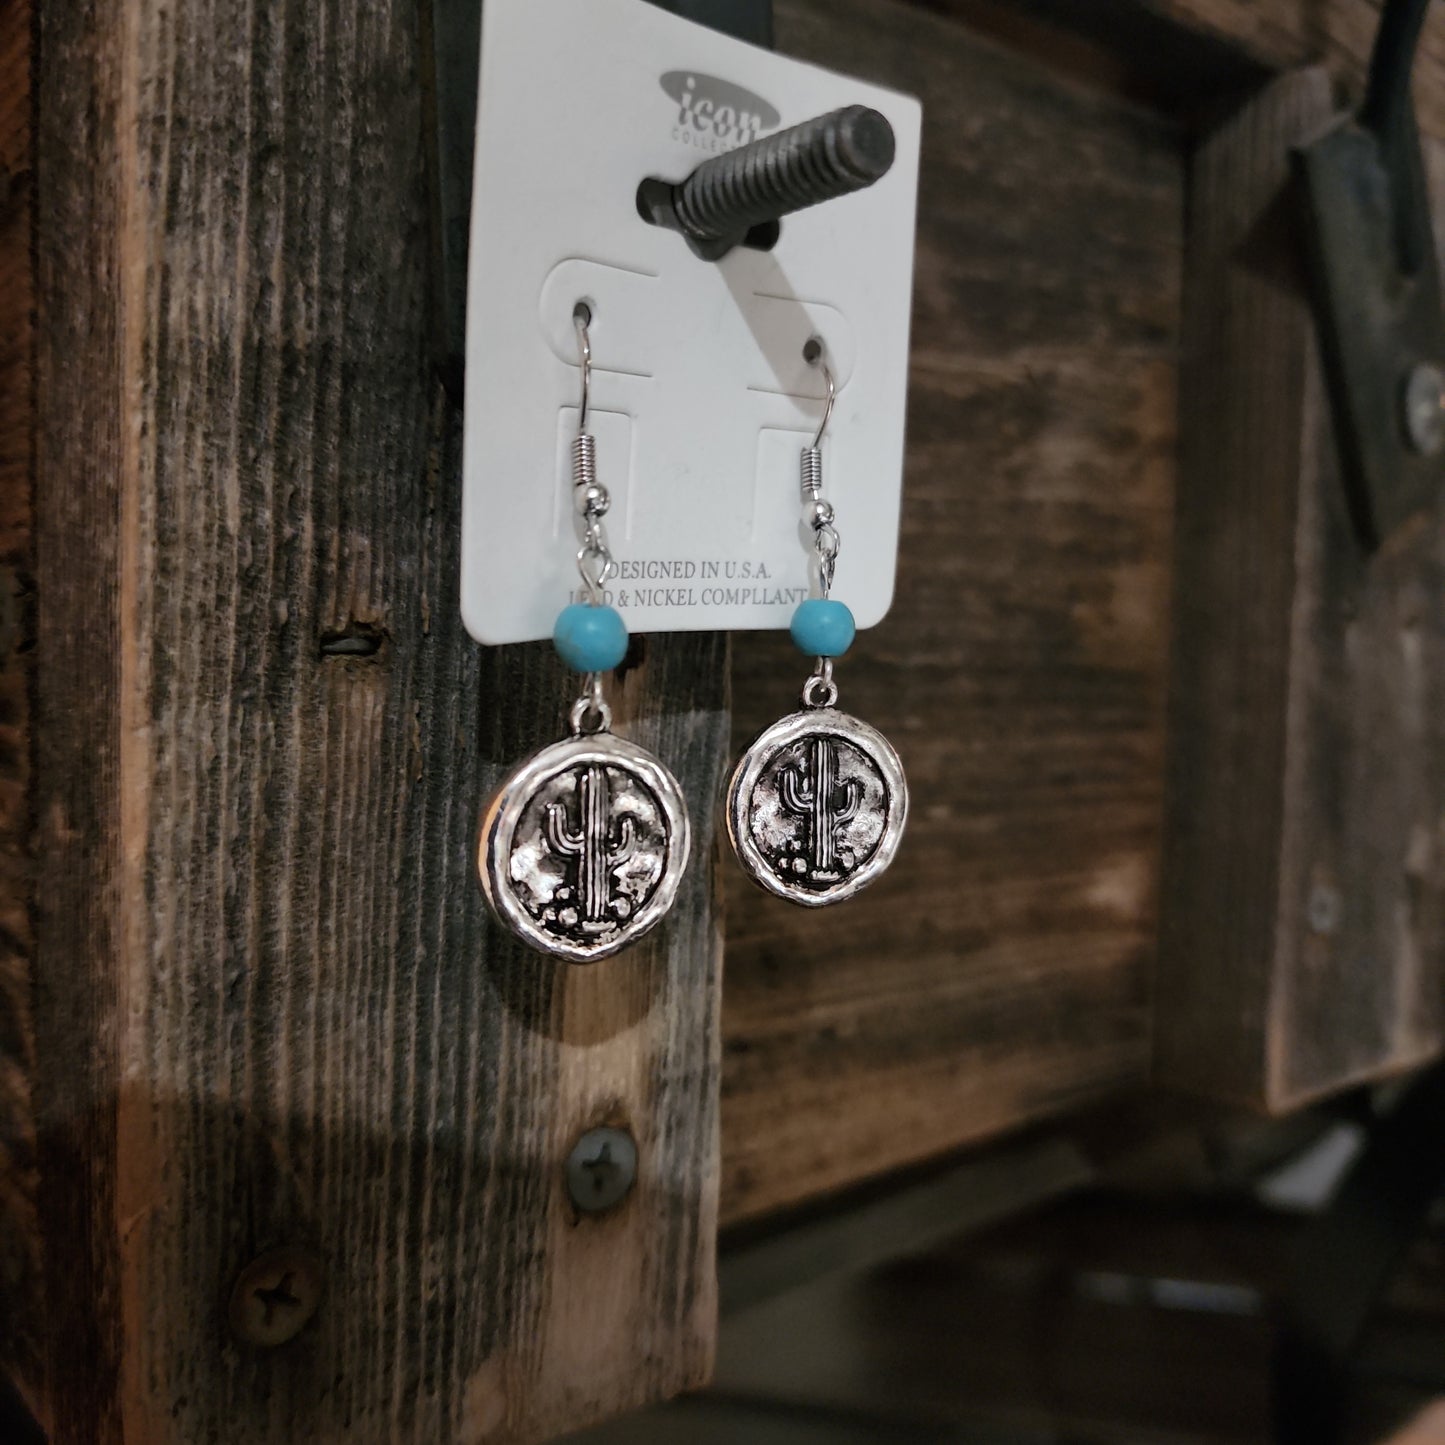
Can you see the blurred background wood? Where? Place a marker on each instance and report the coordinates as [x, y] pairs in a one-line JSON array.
[[1120, 1314], [1304, 909]]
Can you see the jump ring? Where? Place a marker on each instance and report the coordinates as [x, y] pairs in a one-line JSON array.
[[819, 694], [820, 690], [589, 716]]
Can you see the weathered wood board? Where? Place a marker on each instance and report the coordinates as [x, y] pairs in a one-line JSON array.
[[1286, 34], [18, 1242], [1001, 970], [268, 1007], [1303, 936], [1186, 56]]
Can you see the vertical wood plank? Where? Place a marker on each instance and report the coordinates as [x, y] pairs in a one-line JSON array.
[[18, 1242], [79, 472], [1000, 971], [1243, 451], [1305, 858], [270, 1008]]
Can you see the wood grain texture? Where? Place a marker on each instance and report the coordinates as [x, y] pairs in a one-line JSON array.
[[18, 1240], [1286, 34], [1133, 49], [269, 1007], [1000, 971], [1305, 864], [1186, 56]]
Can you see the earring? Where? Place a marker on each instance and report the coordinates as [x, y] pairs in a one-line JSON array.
[[583, 847], [817, 803]]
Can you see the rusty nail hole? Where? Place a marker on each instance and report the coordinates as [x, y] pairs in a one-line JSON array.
[[356, 639]]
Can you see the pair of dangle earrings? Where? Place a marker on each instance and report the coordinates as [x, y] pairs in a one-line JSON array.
[[584, 846]]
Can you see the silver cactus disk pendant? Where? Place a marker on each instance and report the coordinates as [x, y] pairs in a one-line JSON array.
[[817, 803], [583, 848]]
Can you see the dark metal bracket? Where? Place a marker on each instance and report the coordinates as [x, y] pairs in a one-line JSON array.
[[1377, 290]]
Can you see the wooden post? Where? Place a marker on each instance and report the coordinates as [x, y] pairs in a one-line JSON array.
[[1304, 871], [269, 1009], [19, 1244]]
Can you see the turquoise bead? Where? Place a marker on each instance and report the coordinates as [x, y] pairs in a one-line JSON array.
[[590, 639], [823, 628]]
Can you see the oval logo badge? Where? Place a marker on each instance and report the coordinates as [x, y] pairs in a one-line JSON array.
[[715, 114]]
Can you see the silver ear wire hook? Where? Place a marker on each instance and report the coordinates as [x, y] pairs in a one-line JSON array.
[[819, 357], [817, 510], [589, 496], [815, 353], [581, 319]]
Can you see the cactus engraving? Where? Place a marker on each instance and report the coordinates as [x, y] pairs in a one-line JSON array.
[[811, 790], [816, 806], [599, 849]]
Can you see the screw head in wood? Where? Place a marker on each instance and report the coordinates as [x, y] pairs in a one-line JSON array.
[[1326, 909], [1425, 409], [275, 1296], [601, 1169]]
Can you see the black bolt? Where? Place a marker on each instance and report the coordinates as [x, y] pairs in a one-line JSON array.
[[820, 160]]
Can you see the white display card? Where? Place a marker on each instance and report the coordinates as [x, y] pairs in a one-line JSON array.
[[701, 397]]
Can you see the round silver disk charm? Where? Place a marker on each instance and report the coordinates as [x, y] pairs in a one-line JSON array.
[[584, 846], [816, 806]]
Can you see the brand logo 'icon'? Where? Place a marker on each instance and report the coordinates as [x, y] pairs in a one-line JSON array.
[[715, 114]]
